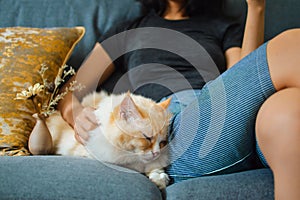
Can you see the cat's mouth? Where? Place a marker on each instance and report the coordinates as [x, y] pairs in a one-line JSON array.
[[150, 157]]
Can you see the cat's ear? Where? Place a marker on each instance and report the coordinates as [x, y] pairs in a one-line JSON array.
[[165, 104], [128, 109]]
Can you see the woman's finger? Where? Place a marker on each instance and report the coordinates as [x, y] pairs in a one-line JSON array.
[[79, 139], [89, 114], [81, 132]]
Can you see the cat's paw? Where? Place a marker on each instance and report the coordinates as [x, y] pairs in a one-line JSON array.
[[159, 177]]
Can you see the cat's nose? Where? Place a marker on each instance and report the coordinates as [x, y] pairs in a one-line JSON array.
[[155, 154]]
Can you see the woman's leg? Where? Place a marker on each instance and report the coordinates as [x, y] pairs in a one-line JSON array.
[[278, 135], [283, 54], [278, 122], [216, 133]]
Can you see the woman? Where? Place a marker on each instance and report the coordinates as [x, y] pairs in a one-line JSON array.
[[213, 127]]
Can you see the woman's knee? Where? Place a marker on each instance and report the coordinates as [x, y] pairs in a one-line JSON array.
[[283, 54], [278, 121]]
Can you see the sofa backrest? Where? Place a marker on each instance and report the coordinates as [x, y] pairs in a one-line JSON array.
[[95, 15], [280, 14]]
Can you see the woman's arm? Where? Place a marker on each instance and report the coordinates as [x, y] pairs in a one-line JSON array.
[[95, 70], [253, 35]]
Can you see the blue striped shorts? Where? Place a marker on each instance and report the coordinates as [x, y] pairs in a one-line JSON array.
[[213, 129]]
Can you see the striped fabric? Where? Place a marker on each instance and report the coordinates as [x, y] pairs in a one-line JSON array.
[[216, 132]]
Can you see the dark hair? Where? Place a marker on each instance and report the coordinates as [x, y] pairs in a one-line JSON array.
[[192, 7]]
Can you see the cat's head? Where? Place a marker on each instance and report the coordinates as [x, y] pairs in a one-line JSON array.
[[143, 126]]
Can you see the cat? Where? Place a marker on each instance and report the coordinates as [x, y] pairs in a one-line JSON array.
[[132, 134]]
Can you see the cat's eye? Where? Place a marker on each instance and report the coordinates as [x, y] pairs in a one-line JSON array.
[[163, 144], [147, 137]]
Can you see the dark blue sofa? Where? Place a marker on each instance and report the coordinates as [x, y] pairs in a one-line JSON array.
[[56, 177]]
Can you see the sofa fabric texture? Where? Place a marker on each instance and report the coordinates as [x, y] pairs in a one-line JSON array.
[[56, 177], [97, 16]]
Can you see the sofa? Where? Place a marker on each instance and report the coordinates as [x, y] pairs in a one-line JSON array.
[[59, 177]]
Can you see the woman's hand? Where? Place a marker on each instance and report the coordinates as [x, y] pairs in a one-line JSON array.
[[84, 121], [81, 119]]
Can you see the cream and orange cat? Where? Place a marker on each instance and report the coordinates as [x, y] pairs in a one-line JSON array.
[[132, 133]]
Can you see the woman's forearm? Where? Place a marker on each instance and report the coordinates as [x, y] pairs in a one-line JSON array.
[[94, 70], [67, 107], [253, 34], [254, 28]]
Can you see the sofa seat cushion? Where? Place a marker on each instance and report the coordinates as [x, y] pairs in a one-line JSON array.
[[250, 185], [58, 177]]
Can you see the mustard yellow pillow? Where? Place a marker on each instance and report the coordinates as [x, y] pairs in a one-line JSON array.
[[22, 52]]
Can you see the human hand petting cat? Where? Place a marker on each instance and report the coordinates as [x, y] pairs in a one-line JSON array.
[[85, 121]]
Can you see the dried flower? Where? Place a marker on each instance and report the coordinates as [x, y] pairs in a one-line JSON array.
[[31, 92], [43, 105]]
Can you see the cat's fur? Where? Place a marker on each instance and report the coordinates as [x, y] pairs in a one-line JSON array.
[[132, 134]]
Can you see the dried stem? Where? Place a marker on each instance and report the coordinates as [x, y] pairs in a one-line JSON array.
[[48, 107]]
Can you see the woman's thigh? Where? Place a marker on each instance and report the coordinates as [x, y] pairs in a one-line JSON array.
[[216, 133]]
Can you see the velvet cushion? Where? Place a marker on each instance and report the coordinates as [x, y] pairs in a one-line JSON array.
[[22, 52]]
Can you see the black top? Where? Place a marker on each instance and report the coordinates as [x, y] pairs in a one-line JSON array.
[[164, 56]]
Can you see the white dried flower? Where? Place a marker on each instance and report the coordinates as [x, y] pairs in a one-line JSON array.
[[23, 95], [43, 69], [69, 72], [75, 86], [36, 89], [31, 91], [43, 104]]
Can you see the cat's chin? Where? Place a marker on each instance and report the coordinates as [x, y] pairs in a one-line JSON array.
[[148, 159]]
